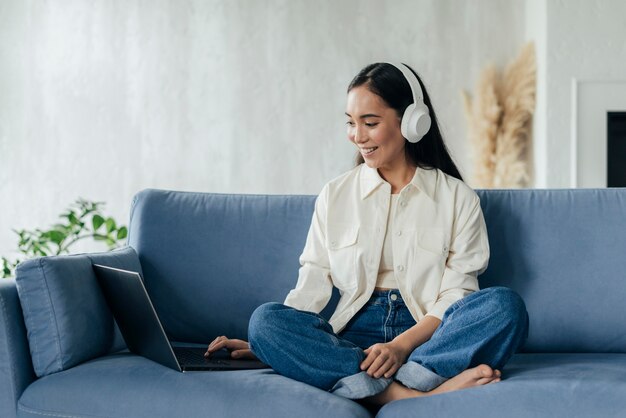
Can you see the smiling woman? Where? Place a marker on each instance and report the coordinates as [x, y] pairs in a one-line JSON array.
[[387, 93], [403, 238]]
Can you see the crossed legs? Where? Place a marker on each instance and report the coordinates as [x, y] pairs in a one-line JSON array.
[[477, 336]]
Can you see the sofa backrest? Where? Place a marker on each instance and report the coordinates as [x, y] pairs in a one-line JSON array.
[[210, 259], [564, 251]]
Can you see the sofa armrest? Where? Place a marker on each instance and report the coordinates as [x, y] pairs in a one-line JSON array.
[[16, 369]]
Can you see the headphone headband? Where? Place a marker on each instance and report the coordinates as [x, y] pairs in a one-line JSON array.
[[416, 119], [416, 89]]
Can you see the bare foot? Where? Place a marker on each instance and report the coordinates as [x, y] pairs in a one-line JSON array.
[[477, 376]]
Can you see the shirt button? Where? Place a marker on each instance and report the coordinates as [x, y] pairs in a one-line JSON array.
[[403, 203], [399, 233], [333, 243], [445, 249], [394, 296], [401, 268]]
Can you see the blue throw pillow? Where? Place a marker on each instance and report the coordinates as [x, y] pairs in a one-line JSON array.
[[67, 319]]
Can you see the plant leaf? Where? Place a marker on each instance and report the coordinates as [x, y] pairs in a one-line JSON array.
[[122, 233], [97, 222], [39, 250], [72, 218], [56, 236], [110, 224]]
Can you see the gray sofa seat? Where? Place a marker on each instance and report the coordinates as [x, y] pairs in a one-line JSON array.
[[576, 385], [126, 385], [583, 384]]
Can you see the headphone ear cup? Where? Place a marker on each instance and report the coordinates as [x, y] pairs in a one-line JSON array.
[[407, 132], [415, 122], [422, 120]]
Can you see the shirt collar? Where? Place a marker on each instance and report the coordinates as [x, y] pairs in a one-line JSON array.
[[424, 180]]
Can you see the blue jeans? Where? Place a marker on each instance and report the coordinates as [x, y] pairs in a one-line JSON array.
[[485, 327]]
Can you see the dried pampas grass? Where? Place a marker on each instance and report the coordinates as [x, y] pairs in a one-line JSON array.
[[483, 118], [500, 123]]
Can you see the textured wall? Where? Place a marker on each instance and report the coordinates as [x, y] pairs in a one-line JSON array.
[[101, 99]]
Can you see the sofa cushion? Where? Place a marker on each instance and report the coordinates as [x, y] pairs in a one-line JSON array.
[[66, 316], [563, 252], [210, 259], [534, 385], [126, 385]]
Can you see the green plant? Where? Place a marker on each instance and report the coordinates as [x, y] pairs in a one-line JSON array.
[[82, 220]]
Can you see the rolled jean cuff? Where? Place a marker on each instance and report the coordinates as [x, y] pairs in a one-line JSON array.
[[359, 386], [415, 376]]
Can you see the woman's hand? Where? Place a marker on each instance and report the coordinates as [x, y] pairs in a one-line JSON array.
[[238, 348], [384, 359]]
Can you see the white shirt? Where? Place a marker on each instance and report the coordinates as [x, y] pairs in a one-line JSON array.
[[440, 243]]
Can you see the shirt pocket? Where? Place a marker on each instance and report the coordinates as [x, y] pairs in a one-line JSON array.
[[433, 240], [431, 252], [342, 244]]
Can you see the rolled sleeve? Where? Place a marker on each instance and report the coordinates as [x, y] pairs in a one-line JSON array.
[[468, 257], [314, 287]]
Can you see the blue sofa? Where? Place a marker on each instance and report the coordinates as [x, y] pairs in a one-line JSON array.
[[209, 260]]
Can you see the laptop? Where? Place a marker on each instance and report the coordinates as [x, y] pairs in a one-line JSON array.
[[143, 333]]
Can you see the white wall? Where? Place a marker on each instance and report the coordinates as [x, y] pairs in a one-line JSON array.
[[102, 99], [536, 31], [586, 40]]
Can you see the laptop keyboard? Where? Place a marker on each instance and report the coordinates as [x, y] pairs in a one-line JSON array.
[[191, 355]]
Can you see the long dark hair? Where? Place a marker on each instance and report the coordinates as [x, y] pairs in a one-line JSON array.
[[388, 82]]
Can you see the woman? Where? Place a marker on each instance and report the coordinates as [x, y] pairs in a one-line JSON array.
[[403, 238]]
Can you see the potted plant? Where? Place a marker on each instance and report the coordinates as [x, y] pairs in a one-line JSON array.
[[82, 220]]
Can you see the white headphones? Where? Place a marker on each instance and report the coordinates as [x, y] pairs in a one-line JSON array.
[[416, 119]]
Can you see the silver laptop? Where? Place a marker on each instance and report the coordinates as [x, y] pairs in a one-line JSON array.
[[143, 333]]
